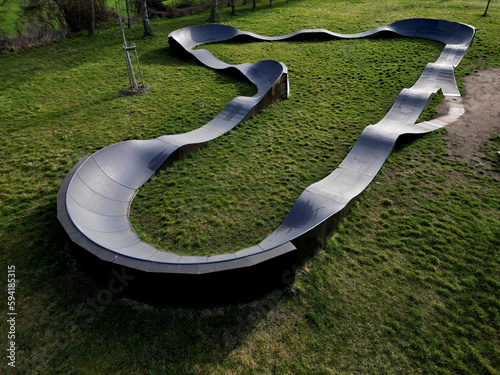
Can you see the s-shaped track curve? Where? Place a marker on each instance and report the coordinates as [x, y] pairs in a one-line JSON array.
[[95, 197]]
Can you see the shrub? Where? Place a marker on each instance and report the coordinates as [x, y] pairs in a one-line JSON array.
[[31, 37], [61, 14], [157, 8]]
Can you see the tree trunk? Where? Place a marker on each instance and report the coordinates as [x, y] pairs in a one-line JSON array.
[[128, 14], [92, 18], [145, 19], [214, 10], [233, 8], [271, 3], [254, 4]]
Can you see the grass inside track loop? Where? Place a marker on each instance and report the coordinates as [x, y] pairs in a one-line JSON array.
[[234, 192]]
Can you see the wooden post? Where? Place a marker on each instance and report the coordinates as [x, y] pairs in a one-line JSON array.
[[126, 49], [131, 75], [138, 66]]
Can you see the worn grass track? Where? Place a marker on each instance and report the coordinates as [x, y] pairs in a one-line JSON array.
[[409, 282]]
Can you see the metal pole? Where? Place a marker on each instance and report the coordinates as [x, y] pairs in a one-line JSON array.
[[486, 10]]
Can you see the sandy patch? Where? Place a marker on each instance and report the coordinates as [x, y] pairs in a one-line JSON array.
[[481, 120]]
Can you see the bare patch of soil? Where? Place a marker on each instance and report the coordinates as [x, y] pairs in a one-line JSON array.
[[481, 119], [130, 91]]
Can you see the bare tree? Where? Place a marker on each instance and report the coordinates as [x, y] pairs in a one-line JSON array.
[[211, 18], [145, 19]]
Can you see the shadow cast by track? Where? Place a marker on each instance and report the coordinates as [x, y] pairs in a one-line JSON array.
[[94, 312], [165, 57]]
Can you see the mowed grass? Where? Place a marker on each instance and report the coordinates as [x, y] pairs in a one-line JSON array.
[[408, 283]]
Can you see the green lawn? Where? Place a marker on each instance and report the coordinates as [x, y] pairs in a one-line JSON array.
[[408, 284]]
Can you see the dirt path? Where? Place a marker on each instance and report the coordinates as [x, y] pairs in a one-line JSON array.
[[481, 119]]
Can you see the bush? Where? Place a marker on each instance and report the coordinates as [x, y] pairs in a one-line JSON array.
[[61, 14], [31, 37], [77, 13], [156, 8]]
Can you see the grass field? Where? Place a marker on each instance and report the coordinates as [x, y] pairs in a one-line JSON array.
[[408, 284]]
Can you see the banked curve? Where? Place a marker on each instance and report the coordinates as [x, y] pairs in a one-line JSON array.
[[95, 197]]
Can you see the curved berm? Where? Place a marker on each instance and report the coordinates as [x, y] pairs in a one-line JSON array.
[[95, 198]]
